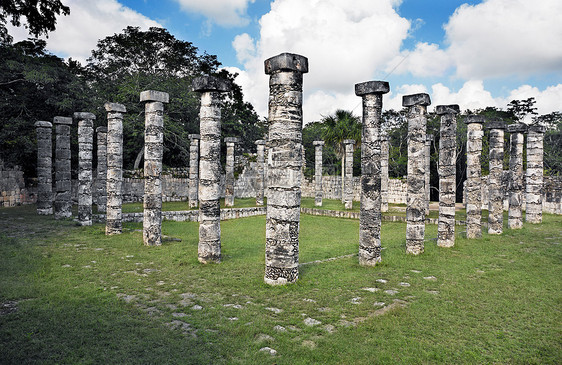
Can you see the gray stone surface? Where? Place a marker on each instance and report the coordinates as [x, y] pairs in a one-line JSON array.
[[101, 170], [284, 174], [385, 152], [63, 199], [193, 185], [85, 156], [370, 215], [534, 180], [474, 136], [428, 141], [318, 145], [44, 132], [515, 210], [153, 153], [495, 185], [415, 209], [260, 179], [229, 178], [113, 224], [209, 248], [348, 177], [447, 174]]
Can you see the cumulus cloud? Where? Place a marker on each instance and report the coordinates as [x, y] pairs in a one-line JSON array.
[[221, 12], [76, 35], [424, 61]]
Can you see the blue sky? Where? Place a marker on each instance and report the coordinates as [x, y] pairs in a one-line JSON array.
[[474, 53]]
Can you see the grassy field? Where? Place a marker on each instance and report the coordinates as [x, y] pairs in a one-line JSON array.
[[70, 294]]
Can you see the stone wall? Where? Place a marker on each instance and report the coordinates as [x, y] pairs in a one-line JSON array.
[[12, 188]]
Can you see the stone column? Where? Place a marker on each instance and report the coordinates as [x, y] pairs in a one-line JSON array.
[[101, 172], [495, 187], [284, 167], [44, 167], [447, 174], [318, 173], [385, 152], [515, 213], [113, 223], [63, 185], [348, 179], [229, 177], [260, 144], [474, 136], [193, 188], [415, 209], [370, 216], [153, 152], [209, 249], [427, 175], [85, 155], [534, 182]]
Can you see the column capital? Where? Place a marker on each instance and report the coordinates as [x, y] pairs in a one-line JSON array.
[[84, 115], [447, 109], [537, 128], [318, 143], [286, 62], [62, 120], [517, 128], [495, 123], [231, 139], [260, 142], [153, 95], [115, 107], [372, 87], [43, 124], [210, 83], [416, 99], [102, 129], [194, 136], [348, 141], [470, 119]]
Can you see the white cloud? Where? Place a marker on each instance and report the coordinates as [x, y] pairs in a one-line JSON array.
[[76, 35], [505, 37], [425, 60], [221, 12]]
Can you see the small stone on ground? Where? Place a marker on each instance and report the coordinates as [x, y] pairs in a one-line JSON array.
[[269, 350], [311, 322]]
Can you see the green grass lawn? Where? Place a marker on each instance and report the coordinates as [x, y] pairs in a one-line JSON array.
[[70, 294]]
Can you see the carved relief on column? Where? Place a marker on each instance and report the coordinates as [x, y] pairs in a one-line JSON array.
[[318, 193], [515, 188], [495, 187], [44, 167], [193, 188], [534, 181], [474, 176]]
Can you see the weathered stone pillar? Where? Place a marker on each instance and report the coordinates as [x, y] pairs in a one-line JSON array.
[[284, 174], [113, 223], [534, 182], [229, 178], [260, 144], [348, 179], [515, 210], [385, 152], [44, 167], [318, 173], [153, 151], [85, 155], [193, 187], [63, 185], [209, 249], [101, 171], [370, 216], [447, 174], [427, 175], [474, 136], [415, 210], [495, 187]]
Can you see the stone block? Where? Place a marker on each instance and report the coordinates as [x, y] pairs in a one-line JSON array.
[[474, 119], [286, 62], [62, 120], [210, 83], [416, 99], [84, 116], [43, 124], [115, 107], [372, 87], [447, 109], [152, 95], [517, 128]]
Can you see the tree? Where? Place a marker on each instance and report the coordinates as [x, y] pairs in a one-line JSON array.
[[519, 109], [552, 142], [340, 126], [41, 16]]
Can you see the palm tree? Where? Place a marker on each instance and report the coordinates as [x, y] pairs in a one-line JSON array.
[[340, 126]]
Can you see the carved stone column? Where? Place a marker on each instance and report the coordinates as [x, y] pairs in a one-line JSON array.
[[113, 223], [447, 174], [101, 171], [474, 176], [260, 181], [495, 187], [415, 210], [284, 174], [63, 185], [515, 211], [229, 178], [534, 182], [193, 188], [370, 216], [318, 173], [348, 179], [85, 155], [427, 175], [153, 152], [44, 167], [209, 249], [385, 152]]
